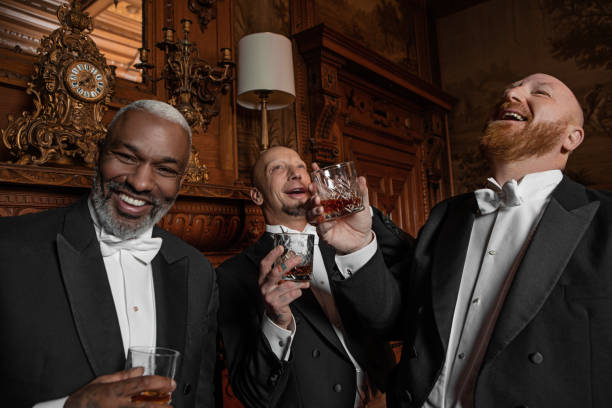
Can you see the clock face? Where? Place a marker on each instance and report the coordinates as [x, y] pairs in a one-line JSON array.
[[86, 81]]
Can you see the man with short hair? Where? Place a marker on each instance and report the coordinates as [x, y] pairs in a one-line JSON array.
[[286, 345], [82, 284], [507, 299]]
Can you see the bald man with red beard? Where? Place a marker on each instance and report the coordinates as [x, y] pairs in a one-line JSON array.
[[507, 299]]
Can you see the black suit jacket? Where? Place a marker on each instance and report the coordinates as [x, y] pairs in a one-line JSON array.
[[552, 342], [60, 328], [319, 372]]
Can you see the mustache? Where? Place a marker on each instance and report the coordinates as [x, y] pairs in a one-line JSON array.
[[515, 106], [503, 105]]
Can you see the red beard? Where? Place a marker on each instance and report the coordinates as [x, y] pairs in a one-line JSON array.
[[501, 142]]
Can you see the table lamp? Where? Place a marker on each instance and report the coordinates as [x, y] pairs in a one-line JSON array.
[[265, 75]]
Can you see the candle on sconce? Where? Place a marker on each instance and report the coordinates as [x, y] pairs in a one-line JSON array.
[[168, 34], [226, 55], [144, 54], [186, 25]]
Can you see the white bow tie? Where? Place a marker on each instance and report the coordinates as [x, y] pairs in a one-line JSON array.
[[489, 200], [143, 249]]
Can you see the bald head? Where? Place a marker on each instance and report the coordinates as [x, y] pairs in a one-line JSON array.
[[265, 158], [568, 107]]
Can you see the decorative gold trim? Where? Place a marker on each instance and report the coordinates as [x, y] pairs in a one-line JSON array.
[[65, 128]]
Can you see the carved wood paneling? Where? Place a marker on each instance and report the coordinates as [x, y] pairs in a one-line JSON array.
[[393, 181], [301, 18], [81, 178], [22, 201], [324, 103], [390, 122]]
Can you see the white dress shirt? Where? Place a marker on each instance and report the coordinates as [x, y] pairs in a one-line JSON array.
[[280, 340], [497, 245], [131, 283]]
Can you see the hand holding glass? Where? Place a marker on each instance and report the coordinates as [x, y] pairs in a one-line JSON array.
[[155, 361], [295, 244], [338, 189]]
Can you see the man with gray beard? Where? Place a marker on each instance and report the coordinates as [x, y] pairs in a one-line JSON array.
[[507, 299], [84, 283]]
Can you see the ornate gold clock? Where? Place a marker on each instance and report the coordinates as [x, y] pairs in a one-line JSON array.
[[86, 81], [72, 85]]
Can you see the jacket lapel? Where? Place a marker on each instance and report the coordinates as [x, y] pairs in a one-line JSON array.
[[447, 268], [170, 270], [329, 258], [561, 228], [261, 248], [89, 292], [309, 306]]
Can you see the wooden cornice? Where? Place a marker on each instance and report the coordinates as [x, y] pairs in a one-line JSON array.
[[323, 42], [80, 178]]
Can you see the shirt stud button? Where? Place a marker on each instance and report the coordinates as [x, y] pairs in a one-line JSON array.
[[475, 301], [461, 356], [491, 252], [536, 358], [187, 389]]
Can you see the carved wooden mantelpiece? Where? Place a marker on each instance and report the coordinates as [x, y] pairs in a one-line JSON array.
[[81, 178], [365, 108], [218, 220]]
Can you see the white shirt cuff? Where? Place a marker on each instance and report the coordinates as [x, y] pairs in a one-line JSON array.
[[350, 263], [58, 403], [279, 339]]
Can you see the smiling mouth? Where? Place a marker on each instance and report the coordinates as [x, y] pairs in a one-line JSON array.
[[296, 191], [131, 201], [513, 116]]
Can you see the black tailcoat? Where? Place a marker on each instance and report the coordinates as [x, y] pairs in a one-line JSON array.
[[552, 342], [60, 328], [319, 373]]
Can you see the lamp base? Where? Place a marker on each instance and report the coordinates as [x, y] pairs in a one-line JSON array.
[[263, 100]]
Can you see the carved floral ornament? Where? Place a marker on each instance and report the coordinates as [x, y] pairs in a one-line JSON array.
[[72, 86], [206, 10]]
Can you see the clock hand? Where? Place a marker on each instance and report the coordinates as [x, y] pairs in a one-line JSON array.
[[86, 81]]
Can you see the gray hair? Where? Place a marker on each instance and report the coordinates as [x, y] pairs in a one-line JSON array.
[[155, 108]]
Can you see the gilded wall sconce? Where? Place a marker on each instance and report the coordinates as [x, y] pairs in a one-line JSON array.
[[192, 83]]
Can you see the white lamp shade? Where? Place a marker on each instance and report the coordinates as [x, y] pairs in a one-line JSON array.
[[265, 63]]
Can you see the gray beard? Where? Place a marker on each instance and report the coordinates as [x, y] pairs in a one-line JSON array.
[[110, 222]]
